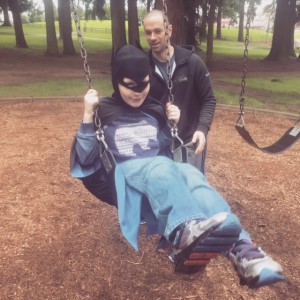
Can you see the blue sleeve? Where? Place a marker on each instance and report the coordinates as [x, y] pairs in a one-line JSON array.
[[84, 159]]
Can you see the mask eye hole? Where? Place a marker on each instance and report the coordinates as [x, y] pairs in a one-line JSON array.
[[131, 85]]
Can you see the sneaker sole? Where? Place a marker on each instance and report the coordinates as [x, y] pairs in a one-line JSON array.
[[220, 240], [189, 261]]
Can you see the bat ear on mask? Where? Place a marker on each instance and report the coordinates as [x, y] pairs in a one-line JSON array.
[[113, 55], [138, 45], [130, 62]]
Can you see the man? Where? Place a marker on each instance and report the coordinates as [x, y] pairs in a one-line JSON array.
[[194, 96], [192, 89]]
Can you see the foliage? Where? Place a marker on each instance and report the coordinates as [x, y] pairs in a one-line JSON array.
[[94, 9], [35, 13]]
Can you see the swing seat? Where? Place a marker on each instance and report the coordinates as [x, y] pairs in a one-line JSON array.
[[289, 138]]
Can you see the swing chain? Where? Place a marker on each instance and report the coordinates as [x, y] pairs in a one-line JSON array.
[[245, 60], [169, 67], [173, 126], [83, 51]]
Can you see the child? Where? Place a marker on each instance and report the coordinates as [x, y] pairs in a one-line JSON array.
[[174, 199]]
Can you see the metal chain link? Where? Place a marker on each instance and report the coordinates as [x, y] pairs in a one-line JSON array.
[[167, 52], [83, 52], [245, 61], [173, 126]]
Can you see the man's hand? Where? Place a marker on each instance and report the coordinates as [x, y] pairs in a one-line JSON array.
[[199, 140], [91, 100]]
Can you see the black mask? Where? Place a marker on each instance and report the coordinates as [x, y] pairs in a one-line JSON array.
[[138, 87], [132, 63]]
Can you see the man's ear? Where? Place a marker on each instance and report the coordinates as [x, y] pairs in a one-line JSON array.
[[170, 29]]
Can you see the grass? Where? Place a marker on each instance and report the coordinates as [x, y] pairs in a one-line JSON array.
[[276, 84], [276, 92], [283, 92], [53, 88]]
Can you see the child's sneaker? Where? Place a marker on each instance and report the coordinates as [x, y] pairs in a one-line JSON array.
[[254, 267], [188, 236]]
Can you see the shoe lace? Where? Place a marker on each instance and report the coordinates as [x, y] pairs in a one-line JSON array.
[[248, 250]]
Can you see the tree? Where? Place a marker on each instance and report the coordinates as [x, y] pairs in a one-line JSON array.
[[4, 6], [176, 13], [98, 10], [241, 20], [18, 27], [52, 45], [286, 16], [94, 9], [204, 19], [191, 22], [117, 8], [219, 19], [87, 9], [210, 31], [133, 23], [149, 3], [270, 10], [65, 22]]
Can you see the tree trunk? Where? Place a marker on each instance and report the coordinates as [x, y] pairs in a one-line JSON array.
[[158, 4], [191, 23], [281, 35], [6, 21], [117, 10], [291, 30], [241, 21], [210, 32], [149, 2], [203, 26], [66, 28], [219, 23], [86, 11], [60, 16], [15, 9], [52, 45], [133, 23], [176, 15]]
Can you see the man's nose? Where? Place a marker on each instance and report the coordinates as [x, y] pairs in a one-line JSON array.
[[152, 36]]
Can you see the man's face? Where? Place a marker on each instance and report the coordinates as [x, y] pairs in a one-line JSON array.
[[154, 29]]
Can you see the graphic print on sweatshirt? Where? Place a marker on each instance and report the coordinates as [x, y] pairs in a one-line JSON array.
[[134, 136]]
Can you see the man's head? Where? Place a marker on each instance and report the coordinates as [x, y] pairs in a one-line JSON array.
[[131, 75], [155, 30]]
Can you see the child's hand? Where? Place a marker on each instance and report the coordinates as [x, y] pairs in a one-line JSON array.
[[173, 112], [91, 100]]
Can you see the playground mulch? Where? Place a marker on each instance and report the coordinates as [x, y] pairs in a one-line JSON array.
[[57, 241]]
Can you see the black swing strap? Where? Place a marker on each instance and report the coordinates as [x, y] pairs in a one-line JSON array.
[[288, 139]]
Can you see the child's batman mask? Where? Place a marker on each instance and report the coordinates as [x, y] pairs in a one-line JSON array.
[[132, 63]]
